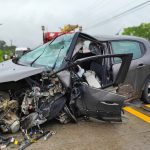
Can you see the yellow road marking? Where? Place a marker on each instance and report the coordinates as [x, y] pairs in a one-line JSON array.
[[148, 105], [137, 114]]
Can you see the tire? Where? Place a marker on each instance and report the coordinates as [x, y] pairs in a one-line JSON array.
[[146, 92]]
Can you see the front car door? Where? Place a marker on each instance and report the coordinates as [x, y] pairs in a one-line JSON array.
[[103, 103]]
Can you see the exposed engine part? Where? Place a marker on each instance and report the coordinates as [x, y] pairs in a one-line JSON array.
[[66, 116], [30, 100], [9, 120], [33, 119], [63, 118], [39, 95], [39, 102]]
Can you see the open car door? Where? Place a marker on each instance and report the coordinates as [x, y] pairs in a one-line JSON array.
[[100, 103]]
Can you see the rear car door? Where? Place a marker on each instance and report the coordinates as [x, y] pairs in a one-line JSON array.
[[138, 70]]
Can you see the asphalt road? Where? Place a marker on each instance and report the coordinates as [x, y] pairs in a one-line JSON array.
[[132, 134]]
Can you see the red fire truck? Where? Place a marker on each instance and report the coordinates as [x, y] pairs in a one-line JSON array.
[[48, 36]]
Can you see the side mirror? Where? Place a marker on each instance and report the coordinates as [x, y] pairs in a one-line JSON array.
[[15, 59]]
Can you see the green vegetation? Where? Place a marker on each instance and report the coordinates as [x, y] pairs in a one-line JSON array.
[[5, 49], [3, 52], [143, 30]]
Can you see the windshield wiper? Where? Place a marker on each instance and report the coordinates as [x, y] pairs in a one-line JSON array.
[[38, 56], [57, 57]]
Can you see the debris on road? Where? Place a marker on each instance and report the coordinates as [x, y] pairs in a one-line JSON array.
[[29, 139], [6, 141], [49, 135]]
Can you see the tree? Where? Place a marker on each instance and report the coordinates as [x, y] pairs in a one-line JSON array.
[[143, 30], [2, 45], [5, 49]]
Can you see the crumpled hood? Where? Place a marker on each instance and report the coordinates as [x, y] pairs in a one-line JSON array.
[[10, 71]]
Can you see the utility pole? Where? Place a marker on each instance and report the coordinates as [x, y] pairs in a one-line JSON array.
[[43, 29]]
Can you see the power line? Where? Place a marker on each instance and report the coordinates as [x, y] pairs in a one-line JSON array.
[[95, 5], [121, 14], [105, 13]]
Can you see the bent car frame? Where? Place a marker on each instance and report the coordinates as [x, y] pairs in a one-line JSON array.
[[72, 76]]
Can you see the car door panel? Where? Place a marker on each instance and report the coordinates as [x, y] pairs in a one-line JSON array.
[[141, 74], [100, 104], [138, 71], [97, 102], [137, 74], [130, 78]]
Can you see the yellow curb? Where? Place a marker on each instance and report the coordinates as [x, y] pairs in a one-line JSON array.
[[137, 114], [148, 105]]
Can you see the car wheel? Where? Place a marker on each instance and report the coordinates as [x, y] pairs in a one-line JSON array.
[[146, 92]]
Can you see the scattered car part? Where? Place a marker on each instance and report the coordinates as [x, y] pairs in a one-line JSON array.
[[66, 116], [48, 135], [7, 141], [27, 142]]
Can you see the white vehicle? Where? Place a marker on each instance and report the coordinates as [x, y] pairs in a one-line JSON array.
[[19, 51]]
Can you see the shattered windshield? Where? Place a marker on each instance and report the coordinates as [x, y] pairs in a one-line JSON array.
[[49, 55]]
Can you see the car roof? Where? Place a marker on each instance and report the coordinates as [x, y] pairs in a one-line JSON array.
[[119, 37]]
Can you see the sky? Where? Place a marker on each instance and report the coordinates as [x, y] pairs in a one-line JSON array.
[[22, 19]]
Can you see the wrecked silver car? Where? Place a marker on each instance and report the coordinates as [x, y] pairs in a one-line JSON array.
[[66, 78]]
